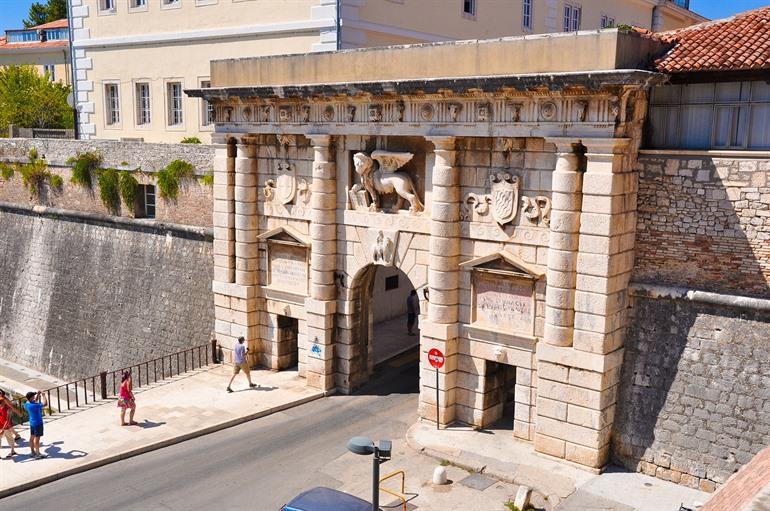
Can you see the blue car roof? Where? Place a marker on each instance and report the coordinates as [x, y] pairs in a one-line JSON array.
[[326, 499]]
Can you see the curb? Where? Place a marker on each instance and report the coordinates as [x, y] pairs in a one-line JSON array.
[[158, 445]]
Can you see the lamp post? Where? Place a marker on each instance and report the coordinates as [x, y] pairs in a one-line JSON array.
[[364, 446]]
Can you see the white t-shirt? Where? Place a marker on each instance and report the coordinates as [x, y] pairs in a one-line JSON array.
[[240, 352]]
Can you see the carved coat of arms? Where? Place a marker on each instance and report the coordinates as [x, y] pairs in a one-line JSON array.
[[286, 183], [505, 197]]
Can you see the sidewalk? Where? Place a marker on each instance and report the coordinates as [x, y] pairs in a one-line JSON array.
[[566, 487], [168, 412]]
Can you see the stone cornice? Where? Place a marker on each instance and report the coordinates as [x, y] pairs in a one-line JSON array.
[[587, 81]]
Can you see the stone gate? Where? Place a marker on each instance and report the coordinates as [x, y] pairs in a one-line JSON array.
[[498, 175]]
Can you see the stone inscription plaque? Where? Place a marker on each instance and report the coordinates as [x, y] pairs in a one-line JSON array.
[[288, 268], [504, 303]]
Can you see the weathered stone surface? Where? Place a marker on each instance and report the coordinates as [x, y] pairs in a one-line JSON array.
[[79, 297], [694, 389]]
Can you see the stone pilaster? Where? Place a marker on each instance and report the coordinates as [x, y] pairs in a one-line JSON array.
[[563, 245], [577, 385], [321, 304], [440, 329], [235, 246]]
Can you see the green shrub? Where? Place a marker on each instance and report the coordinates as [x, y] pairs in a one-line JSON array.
[[34, 174], [83, 166], [109, 189], [191, 140], [207, 179], [56, 181], [6, 171], [129, 187], [169, 178]]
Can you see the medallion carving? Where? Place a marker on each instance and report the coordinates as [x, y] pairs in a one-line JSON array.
[[426, 112], [380, 176], [484, 112], [375, 113], [548, 111], [328, 113], [284, 113]]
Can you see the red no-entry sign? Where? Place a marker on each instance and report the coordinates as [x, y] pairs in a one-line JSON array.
[[436, 358]]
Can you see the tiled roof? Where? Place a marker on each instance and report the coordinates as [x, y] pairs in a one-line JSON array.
[[6, 47], [739, 43], [62, 23]]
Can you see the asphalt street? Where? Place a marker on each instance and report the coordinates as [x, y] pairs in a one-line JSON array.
[[258, 465]]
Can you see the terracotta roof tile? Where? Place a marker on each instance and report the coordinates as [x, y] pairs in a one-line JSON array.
[[62, 23], [741, 42]]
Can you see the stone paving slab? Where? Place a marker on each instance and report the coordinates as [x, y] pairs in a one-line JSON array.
[[496, 453], [172, 411]]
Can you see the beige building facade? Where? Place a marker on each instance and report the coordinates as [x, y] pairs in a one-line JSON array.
[[134, 57], [503, 193]]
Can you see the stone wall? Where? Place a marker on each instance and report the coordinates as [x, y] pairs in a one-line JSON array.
[[704, 223], [193, 206], [80, 293], [694, 401]]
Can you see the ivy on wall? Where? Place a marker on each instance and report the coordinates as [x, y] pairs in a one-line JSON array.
[[34, 174], [109, 189], [84, 165], [129, 187], [170, 177]]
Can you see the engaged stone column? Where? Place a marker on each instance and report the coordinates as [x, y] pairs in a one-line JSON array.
[[563, 245], [321, 305], [224, 212], [440, 330], [577, 385], [245, 194]]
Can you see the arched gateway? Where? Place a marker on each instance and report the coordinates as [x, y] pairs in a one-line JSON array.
[[505, 198]]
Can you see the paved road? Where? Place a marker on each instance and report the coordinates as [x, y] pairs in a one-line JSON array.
[[257, 466]]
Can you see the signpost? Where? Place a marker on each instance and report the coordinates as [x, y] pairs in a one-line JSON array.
[[436, 359]]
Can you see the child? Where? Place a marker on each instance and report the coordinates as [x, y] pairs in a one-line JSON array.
[[6, 424], [35, 411]]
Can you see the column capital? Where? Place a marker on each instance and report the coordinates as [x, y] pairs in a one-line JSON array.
[[320, 139], [605, 145], [442, 143], [246, 149], [563, 144]]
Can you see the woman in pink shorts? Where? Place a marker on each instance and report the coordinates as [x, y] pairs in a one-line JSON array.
[[126, 400]]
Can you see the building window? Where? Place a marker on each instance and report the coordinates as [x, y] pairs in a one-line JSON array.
[[170, 3], [107, 5], [145, 202], [207, 109], [111, 103], [728, 115], [50, 71], [135, 4], [572, 15], [57, 34], [143, 115], [27, 36], [526, 14], [607, 22], [469, 7], [391, 282], [174, 103]]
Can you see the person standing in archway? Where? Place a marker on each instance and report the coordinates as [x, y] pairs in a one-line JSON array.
[[412, 311]]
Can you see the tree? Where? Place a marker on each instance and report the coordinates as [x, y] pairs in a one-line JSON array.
[[40, 13], [30, 100]]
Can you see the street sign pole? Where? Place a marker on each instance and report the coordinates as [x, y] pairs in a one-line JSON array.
[[436, 359], [437, 423]]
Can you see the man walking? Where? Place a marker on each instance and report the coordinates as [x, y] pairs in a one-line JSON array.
[[35, 411], [412, 311], [6, 424], [241, 364]]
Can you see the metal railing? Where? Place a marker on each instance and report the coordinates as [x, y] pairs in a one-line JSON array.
[[399, 496], [106, 384]]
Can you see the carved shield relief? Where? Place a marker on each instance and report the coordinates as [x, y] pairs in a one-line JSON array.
[[505, 197], [286, 183]]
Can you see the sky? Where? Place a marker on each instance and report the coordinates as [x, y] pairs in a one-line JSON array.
[[13, 11]]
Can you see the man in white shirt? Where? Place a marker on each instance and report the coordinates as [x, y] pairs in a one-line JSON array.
[[241, 364]]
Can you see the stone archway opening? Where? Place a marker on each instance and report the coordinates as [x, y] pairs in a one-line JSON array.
[[381, 334]]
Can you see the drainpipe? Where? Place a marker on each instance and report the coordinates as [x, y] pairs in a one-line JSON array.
[[73, 70], [339, 25]]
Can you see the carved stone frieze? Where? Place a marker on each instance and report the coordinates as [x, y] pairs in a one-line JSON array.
[[502, 203], [548, 111], [375, 113]]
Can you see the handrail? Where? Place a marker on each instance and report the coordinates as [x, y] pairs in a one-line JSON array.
[[80, 387], [399, 496]]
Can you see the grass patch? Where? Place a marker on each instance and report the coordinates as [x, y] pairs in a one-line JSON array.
[[191, 140]]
